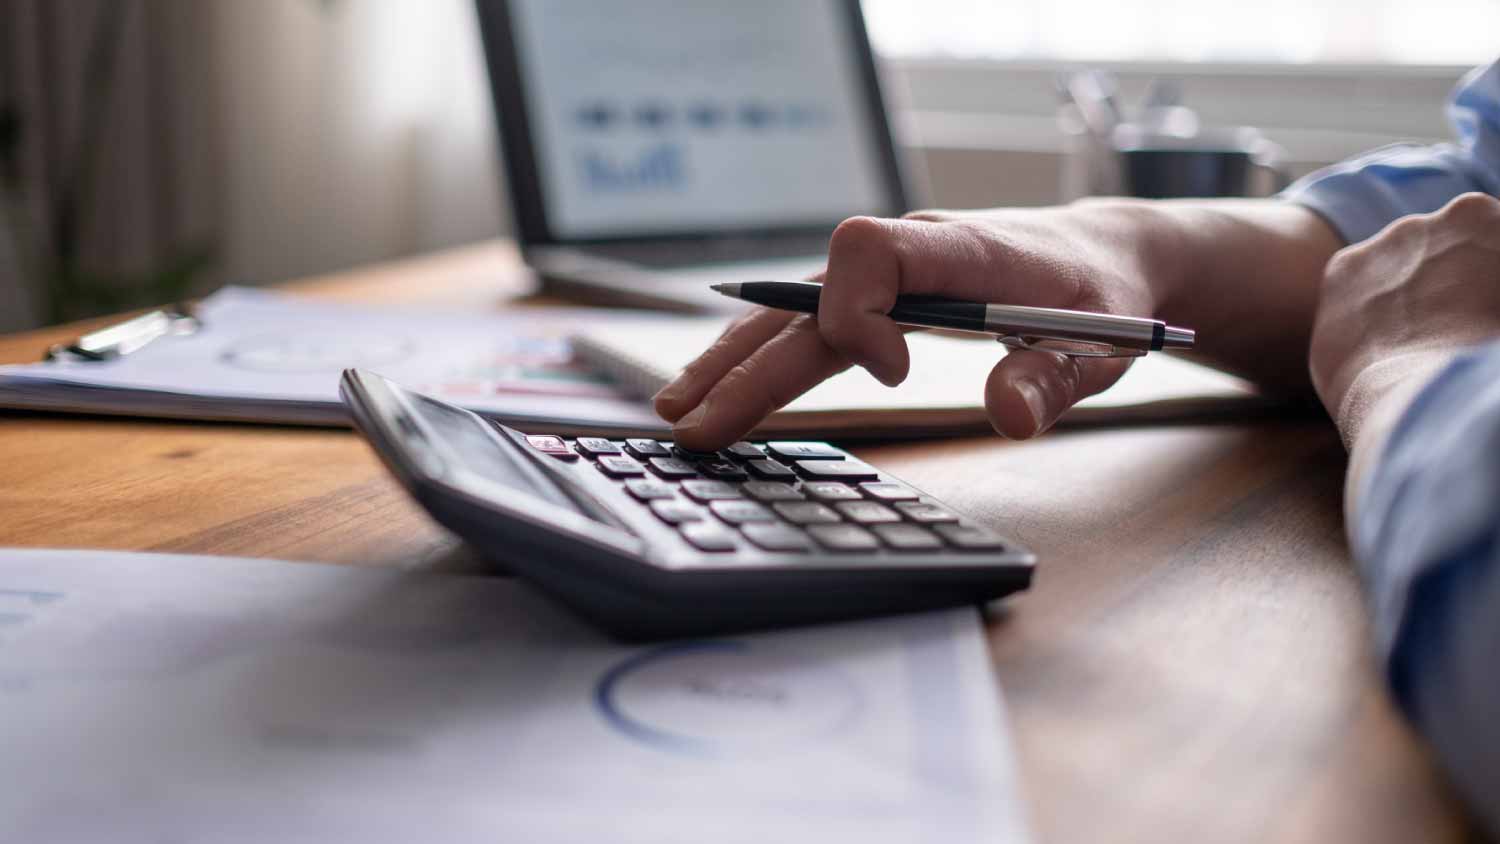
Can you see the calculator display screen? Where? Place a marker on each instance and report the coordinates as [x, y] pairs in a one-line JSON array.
[[473, 444]]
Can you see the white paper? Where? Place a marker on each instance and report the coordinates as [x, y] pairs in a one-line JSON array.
[[268, 356], [158, 698]]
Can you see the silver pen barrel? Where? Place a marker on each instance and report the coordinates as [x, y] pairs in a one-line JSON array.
[[1053, 324]]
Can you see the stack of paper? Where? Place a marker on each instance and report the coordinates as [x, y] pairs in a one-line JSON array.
[[155, 698]]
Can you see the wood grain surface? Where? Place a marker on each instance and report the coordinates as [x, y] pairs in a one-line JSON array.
[[1191, 664]]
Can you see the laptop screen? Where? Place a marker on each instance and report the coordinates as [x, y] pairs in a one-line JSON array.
[[672, 117]]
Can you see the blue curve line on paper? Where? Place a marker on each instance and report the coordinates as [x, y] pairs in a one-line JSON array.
[[604, 697]]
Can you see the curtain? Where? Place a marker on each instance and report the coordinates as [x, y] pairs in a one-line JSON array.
[[158, 148]]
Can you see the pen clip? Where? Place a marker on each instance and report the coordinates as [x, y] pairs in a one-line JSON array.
[[1070, 348], [123, 338]]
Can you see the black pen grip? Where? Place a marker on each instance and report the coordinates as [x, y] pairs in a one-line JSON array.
[[939, 312]]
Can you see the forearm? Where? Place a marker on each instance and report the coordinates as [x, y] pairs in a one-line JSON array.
[[1243, 273]]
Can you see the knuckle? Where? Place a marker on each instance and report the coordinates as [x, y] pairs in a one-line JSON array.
[[1471, 209], [928, 215], [858, 234]]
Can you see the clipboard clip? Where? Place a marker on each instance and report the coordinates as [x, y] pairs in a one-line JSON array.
[[121, 339]]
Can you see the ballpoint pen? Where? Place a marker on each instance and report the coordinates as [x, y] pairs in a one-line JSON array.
[[1016, 326]]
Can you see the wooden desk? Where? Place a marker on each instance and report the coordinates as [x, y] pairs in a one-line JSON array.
[[1191, 664]]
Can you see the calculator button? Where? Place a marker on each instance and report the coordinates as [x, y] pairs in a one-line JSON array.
[[776, 537], [724, 470], [553, 446], [805, 512], [709, 490], [770, 470], [646, 489], [620, 466], [925, 512], [740, 512], [596, 446], [844, 537], [830, 491], [970, 538], [671, 468], [907, 537], [693, 456], [676, 512], [887, 491], [803, 451], [744, 451], [835, 470], [707, 536], [867, 512], [770, 491], [646, 449]]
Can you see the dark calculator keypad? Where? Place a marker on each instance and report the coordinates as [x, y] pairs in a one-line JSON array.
[[646, 449], [620, 466], [744, 451], [671, 468], [867, 512], [805, 512], [830, 491], [835, 470], [771, 491], [844, 537], [723, 470], [645, 489], [782, 498], [595, 446], [770, 470], [791, 451]]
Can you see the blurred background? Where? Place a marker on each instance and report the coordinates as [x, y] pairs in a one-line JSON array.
[[153, 149]]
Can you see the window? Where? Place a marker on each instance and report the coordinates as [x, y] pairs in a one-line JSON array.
[[1436, 32]]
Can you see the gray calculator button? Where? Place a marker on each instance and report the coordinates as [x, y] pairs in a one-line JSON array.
[[835, 470], [744, 451], [907, 537], [770, 491], [596, 446], [709, 490], [805, 512], [646, 449], [844, 537], [770, 470], [708, 536], [676, 512], [867, 512], [724, 470], [671, 468], [925, 512], [803, 451], [776, 537], [620, 466], [646, 489], [970, 537], [887, 491], [740, 512], [693, 456], [830, 491]]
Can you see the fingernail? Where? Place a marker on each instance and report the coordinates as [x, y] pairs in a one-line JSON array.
[[1036, 402], [668, 393], [693, 419]]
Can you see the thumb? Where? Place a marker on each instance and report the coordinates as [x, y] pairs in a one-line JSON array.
[[1028, 390]]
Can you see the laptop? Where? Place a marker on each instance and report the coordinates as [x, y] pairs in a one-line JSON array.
[[654, 147]]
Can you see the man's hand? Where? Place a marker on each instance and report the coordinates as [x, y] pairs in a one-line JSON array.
[[1397, 307], [1253, 268]]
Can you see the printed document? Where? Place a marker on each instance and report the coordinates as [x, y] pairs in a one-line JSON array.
[[148, 698]]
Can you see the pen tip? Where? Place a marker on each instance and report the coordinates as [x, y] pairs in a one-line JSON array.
[[730, 288]]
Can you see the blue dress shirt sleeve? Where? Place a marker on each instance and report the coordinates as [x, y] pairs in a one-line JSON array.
[[1427, 535], [1359, 197]]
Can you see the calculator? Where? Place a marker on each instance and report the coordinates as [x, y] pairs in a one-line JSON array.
[[649, 540]]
